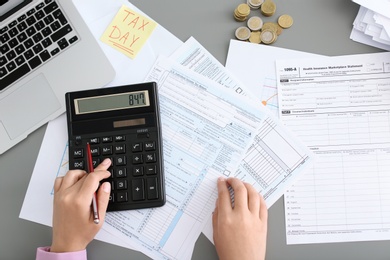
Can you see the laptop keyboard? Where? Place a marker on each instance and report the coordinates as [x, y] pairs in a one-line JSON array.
[[32, 39]]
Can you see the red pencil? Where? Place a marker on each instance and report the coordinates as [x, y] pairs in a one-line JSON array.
[[90, 169]]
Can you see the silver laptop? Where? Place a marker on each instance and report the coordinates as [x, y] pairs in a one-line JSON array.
[[46, 50]]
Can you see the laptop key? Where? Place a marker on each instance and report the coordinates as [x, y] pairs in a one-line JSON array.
[[50, 8], [61, 33], [28, 54], [14, 76], [34, 62], [3, 61], [45, 55], [3, 72]]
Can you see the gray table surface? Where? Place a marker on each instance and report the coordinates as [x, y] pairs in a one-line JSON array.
[[320, 26]]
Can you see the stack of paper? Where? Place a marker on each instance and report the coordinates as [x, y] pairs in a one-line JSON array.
[[372, 23]]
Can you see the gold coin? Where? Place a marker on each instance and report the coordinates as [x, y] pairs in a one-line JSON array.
[[255, 23], [285, 21], [239, 18], [270, 26], [268, 36], [255, 37], [268, 8], [243, 33], [243, 9]]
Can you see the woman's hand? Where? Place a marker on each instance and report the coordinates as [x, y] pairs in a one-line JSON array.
[[239, 232], [73, 226]]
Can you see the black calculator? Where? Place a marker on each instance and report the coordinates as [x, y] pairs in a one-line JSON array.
[[123, 124]]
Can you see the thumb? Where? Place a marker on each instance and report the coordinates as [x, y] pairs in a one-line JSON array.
[[102, 197]]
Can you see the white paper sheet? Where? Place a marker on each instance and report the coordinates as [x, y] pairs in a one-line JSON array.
[[379, 6], [371, 28], [339, 106], [267, 166]]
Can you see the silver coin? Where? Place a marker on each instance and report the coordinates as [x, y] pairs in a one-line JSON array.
[[255, 23], [243, 33]]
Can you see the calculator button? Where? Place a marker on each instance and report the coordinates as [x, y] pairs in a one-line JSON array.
[[78, 153], [78, 140], [137, 187], [107, 150], [150, 158], [120, 138], [151, 169], [95, 151], [136, 147], [152, 188], [119, 161], [121, 197], [107, 139], [150, 146], [121, 185], [95, 162], [119, 149], [121, 172], [137, 159], [138, 170], [95, 140], [78, 164]]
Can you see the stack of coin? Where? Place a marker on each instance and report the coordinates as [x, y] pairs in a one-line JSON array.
[[285, 21], [241, 12], [256, 31], [243, 33], [268, 8], [254, 4], [255, 23]]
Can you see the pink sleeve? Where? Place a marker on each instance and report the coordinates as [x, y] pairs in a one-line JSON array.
[[43, 253]]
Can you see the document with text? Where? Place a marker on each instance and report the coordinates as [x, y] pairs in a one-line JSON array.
[[340, 108], [276, 158]]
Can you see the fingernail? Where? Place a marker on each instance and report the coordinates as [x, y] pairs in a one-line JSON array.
[[106, 161], [221, 179], [106, 186]]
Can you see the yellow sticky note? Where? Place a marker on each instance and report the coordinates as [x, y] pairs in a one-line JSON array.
[[128, 32]]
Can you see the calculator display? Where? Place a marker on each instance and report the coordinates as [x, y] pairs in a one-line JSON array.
[[111, 102]]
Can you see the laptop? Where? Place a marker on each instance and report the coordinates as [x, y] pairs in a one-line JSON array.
[[46, 50]]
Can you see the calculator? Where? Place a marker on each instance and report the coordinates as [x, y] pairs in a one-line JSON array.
[[123, 124]]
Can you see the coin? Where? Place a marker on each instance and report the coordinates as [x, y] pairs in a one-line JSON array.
[[268, 36], [270, 25], [241, 12], [255, 23], [255, 37], [285, 21], [243, 33], [254, 4], [268, 8], [243, 9]]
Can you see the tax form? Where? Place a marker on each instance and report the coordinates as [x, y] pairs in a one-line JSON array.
[[340, 108], [276, 158]]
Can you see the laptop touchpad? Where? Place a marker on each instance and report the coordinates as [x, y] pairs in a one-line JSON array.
[[28, 106]]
